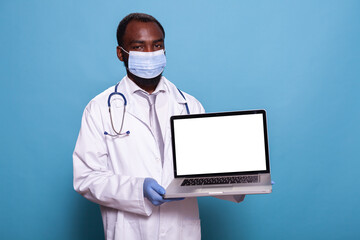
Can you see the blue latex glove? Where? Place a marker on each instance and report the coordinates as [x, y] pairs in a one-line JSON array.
[[154, 192]]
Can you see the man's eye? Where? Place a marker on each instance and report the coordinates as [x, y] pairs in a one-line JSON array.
[[137, 47], [158, 45]]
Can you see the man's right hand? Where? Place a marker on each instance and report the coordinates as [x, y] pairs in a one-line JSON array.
[[154, 192]]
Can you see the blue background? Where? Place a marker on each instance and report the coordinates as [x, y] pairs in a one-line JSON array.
[[299, 60]]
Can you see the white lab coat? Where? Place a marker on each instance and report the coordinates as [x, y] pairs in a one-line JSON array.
[[111, 171]]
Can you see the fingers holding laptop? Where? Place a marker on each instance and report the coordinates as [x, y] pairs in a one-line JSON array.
[[154, 192]]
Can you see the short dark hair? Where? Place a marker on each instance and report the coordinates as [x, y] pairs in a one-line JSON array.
[[141, 17]]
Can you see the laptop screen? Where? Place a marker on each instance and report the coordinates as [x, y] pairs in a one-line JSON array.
[[220, 143]]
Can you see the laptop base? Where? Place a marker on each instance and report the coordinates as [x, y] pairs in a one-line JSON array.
[[175, 190]]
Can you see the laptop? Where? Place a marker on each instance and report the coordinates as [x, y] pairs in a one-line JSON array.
[[223, 153]]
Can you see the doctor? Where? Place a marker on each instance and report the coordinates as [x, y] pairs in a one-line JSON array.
[[123, 159]]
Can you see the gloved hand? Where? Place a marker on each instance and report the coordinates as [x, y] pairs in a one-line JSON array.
[[154, 192]]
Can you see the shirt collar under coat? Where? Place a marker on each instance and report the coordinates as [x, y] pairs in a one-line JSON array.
[[133, 88]]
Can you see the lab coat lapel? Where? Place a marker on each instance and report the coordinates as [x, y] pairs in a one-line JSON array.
[[133, 107], [180, 104], [180, 109], [137, 112], [175, 106]]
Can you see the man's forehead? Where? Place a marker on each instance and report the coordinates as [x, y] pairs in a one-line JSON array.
[[137, 30]]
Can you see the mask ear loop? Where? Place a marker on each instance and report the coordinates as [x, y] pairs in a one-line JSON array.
[[124, 50]]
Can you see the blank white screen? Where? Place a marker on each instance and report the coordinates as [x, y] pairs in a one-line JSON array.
[[220, 144]]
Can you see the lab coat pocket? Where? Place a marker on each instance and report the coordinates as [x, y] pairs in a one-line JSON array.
[[190, 229]]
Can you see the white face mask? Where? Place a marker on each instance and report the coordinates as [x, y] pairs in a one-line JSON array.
[[146, 64]]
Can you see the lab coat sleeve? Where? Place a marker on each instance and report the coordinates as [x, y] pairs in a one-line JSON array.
[[92, 177]]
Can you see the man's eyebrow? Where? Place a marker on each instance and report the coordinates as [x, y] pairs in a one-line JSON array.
[[136, 41], [141, 42], [159, 40]]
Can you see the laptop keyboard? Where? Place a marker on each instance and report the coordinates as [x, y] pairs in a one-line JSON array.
[[220, 180]]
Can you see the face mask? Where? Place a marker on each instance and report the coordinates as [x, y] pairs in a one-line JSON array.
[[146, 64]]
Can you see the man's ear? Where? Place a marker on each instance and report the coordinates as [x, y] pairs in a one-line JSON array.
[[119, 53]]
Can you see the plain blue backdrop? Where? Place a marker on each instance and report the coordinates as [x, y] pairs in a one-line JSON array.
[[299, 60]]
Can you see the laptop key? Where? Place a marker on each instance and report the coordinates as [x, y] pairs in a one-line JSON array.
[[220, 180]]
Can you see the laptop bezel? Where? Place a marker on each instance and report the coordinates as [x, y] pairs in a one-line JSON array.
[[202, 115]]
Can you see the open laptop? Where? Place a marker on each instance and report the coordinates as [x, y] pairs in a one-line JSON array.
[[220, 154]]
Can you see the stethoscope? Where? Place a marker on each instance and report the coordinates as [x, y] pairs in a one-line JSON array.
[[120, 133]]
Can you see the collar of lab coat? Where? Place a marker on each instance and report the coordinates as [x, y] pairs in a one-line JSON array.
[[127, 87]]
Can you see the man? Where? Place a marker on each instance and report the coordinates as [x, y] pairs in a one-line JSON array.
[[122, 158]]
